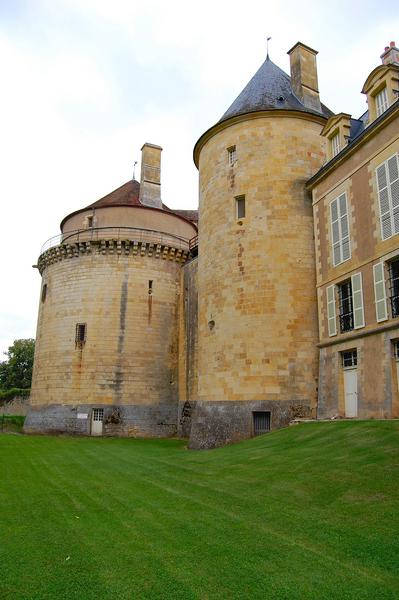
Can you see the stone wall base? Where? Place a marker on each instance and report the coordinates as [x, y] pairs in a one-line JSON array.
[[218, 423], [159, 420]]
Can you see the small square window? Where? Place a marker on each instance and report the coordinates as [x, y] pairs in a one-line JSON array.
[[232, 155], [80, 334], [240, 207], [349, 359]]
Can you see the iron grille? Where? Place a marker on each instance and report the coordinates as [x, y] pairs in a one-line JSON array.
[[261, 422], [345, 306]]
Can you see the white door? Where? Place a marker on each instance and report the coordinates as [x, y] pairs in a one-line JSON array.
[[350, 383], [97, 417]]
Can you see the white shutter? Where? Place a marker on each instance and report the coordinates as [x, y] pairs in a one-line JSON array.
[[340, 230], [357, 300], [344, 226], [387, 176], [331, 316], [380, 293], [393, 188]]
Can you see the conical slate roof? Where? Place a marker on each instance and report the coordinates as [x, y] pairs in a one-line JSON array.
[[269, 89]]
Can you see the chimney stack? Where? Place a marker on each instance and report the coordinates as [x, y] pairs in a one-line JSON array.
[[304, 75], [150, 179], [390, 56]]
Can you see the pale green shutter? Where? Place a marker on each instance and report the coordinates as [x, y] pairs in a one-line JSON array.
[[331, 316], [335, 237], [385, 205], [357, 299], [393, 189], [380, 293], [344, 228]]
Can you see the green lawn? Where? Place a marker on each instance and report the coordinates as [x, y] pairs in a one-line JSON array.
[[306, 513]]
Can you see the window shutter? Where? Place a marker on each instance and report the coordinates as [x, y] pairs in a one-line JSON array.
[[357, 299], [340, 230], [344, 226], [331, 316], [393, 177], [380, 293], [383, 196], [336, 247]]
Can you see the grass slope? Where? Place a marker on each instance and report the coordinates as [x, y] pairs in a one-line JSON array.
[[305, 513]]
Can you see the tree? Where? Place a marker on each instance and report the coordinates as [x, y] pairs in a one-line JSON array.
[[16, 371]]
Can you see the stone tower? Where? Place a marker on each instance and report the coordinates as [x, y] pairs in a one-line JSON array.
[[106, 347], [257, 331]]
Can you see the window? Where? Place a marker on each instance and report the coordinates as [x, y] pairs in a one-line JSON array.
[[395, 345], [240, 207], [341, 250], [80, 334], [381, 102], [345, 306], [387, 175], [232, 155], [89, 222], [335, 145], [349, 359], [261, 421], [394, 287], [44, 292], [350, 305], [149, 287], [98, 414]]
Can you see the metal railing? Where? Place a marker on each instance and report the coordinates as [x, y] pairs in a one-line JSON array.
[[132, 234]]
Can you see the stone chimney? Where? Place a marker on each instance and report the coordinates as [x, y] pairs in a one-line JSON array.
[[150, 179], [390, 56], [304, 75]]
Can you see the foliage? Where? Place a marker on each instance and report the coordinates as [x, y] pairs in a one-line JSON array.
[[7, 395], [11, 422], [305, 513], [16, 371]]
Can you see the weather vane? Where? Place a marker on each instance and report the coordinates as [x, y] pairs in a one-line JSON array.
[[267, 46], [134, 170]]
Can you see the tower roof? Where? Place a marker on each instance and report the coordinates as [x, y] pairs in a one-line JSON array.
[[269, 89]]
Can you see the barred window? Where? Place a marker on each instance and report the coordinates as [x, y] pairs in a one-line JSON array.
[[80, 334], [232, 155]]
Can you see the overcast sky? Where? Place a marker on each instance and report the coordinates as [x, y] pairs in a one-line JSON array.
[[84, 83]]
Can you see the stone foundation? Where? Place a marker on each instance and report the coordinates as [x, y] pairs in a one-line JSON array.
[[157, 420], [218, 423]]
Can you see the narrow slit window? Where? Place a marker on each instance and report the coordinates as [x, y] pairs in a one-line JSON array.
[[44, 292], [80, 334], [240, 207], [89, 222], [150, 287], [232, 155]]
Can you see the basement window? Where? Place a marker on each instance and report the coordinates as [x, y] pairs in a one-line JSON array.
[[240, 207], [80, 334], [44, 292], [261, 422], [232, 155]]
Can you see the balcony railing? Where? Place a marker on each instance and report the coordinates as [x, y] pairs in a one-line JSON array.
[[133, 234]]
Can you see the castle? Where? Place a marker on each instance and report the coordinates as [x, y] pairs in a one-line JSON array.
[[283, 303]]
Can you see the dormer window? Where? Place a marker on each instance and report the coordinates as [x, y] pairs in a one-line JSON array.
[[381, 101], [232, 155], [335, 145]]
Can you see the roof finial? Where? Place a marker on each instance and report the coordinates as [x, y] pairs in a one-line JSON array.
[[267, 46], [134, 170]]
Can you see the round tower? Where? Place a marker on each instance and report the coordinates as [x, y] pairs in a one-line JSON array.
[[106, 346], [257, 355]]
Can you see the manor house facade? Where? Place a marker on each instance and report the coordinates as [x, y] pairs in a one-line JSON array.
[[280, 300]]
